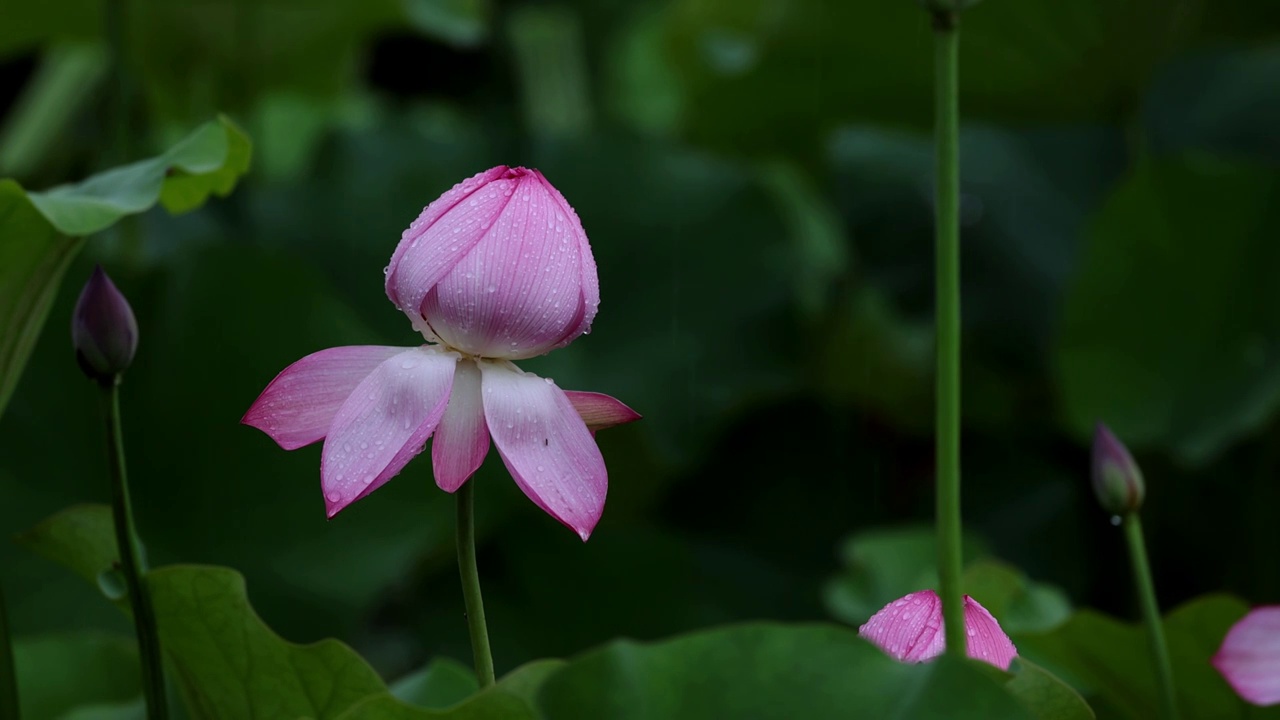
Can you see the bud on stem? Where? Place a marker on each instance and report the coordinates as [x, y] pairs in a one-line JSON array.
[[1117, 480], [103, 330]]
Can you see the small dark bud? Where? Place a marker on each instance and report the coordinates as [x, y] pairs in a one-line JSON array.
[[103, 329], [1117, 481]]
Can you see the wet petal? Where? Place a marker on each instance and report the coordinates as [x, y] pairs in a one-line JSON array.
[[600, 411], [910, 629], [384, 423], [587, 263], [462, 440], [1249, 658], [298, 406], [519, 292], [545, 445], [446, 231], [986, 641]]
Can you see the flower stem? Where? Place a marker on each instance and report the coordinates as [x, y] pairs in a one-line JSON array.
[[947, 277], [471, 584], [8, 675], [132, 563], [1151, 615]]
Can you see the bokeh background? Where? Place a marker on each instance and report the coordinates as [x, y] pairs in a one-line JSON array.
[[755, 177]]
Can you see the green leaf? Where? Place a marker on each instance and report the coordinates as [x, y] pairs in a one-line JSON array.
[[65, 81], [80, 538], [1108, 661], [464, 23], [1020, 604], [1168, 334], [882, 565], [511, 699], [230, 664], [39, 231], [764, 671], [58, 673], [1045, 695], [227, 662], [443, 682]]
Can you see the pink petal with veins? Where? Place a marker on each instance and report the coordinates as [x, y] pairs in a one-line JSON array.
[[519, 292], [462, 440], [600, 411], [384, 423], [910, 629], [298, 406], [1249, 658], [545, 445]]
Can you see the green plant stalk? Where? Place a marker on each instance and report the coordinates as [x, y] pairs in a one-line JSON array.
[[1151, 615], [471, 584], [947, 278], [132, 564], [8, 674]]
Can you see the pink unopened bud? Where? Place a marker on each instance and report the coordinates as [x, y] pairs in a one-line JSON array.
[[103, 329], [497, 267], [1117, 481]]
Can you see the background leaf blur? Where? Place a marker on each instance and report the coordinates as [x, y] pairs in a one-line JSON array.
[[755, 178]]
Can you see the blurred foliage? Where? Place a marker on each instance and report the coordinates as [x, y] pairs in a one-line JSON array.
[[756, 181]]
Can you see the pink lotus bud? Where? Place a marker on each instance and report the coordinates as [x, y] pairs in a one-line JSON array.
[[1249, 658], [1117, 481], [497, 267], [103, 329], [910, 630]]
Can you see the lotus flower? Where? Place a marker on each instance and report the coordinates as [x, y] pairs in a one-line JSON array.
[[497, 269], [1249, 658], [910, 630]]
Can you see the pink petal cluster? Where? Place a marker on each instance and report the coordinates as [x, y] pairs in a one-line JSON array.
[[497, 269], [910, 629], [1249, 658]]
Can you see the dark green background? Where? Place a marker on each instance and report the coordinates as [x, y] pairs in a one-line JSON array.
[[755, 177]]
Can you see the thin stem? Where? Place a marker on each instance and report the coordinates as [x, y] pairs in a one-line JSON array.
[[8, 674], [471, 584], [132, 564], [1151, 615], [947, 272]]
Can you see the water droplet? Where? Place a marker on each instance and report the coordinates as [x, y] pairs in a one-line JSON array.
[[492, 288], [409, 363], [364, 446], [540, 468], [510, 425], [1116, 520]]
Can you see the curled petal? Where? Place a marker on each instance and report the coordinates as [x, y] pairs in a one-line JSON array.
[[519, 292], [587, 265], [545, 445], [298, 406], [462, 440], [910, 629], [600, 411], [986, 641], [384, 423], [1249, 658], [446, 231]]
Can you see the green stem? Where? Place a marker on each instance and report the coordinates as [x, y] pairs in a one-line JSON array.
[[947, 272], [8, 673], [471, 584], [132, 563], [1151, 615]]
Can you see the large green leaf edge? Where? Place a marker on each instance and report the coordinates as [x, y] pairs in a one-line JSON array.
[[41, 232]]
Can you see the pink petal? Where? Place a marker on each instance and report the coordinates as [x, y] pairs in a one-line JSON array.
[[520, 292], [384, 423], [987, 642], [1249, 658], [599, 411], [590, 279], [910, 629], [297, 408], [462, 440], [443, 234], [545, 445]]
